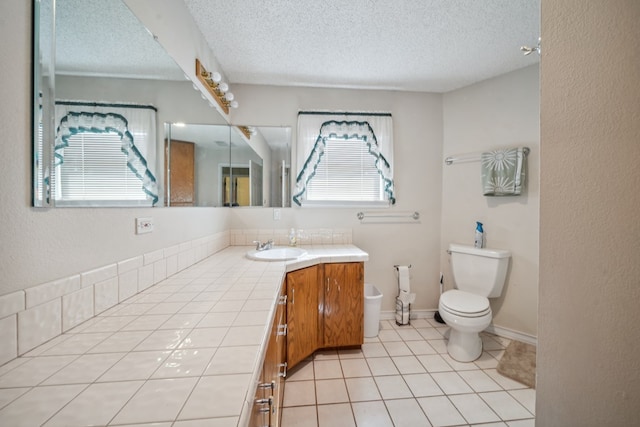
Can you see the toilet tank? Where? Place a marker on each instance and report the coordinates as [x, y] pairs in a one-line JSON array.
[[479, 271]]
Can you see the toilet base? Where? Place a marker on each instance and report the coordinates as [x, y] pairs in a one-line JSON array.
[[464, 346]]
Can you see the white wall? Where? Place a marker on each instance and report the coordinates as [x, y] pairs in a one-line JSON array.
[[40, 245], [589, 333], [500, 112], [417, 121]]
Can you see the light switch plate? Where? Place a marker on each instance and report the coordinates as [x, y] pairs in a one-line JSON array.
[[276, 214], [144, 225]]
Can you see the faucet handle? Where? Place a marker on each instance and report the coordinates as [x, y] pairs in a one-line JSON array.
[[258, 244]]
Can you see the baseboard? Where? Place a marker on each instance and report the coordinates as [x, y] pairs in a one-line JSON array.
[[493, 329], [511, 334]]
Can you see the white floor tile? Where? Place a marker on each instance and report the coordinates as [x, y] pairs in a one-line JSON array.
[[434, 363], [451, 383], [420, 347], [473, 409], [397, 348], [440, 411], [408, 365], [393, 387], [355, 368], [339, 415], [406, 413], [299, 393], [362, 389], [299, 416], [422, 385], [505, 405], [374, 350], [326, 369], [371, 414], [331, 391], [527, 397], [479, 381], [382, 366]]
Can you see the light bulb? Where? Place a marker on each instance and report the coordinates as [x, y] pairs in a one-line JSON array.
[[233, 104], [223, 86], [229, 96], [216, 77]]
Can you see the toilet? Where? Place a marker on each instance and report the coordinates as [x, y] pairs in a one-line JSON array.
[[478, 274]]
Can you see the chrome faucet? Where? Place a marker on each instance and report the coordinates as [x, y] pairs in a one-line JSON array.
[[263, 246]]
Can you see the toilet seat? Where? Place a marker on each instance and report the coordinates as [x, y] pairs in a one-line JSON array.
[[464, 304]]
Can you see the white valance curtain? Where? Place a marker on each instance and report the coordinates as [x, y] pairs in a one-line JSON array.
[[135, 124], [314, 128]]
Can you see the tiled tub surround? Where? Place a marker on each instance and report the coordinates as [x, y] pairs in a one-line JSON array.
[[184, 352]]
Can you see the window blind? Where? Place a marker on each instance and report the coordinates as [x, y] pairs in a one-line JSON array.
[[95, 168], [347, 172]]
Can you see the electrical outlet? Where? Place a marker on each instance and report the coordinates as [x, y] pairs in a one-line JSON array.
[[144, 225], [276, 214]]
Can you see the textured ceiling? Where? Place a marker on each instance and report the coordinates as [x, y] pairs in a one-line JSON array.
[[103, 38], [414, 45]]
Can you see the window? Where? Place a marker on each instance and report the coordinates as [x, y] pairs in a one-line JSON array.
[[104, 155], [346, 172], [344, 160]]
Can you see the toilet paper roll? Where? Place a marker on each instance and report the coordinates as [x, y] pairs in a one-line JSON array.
[[403, 278]]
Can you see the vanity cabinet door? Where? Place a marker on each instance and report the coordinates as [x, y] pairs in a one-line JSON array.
[[343, 304], [302, 314]]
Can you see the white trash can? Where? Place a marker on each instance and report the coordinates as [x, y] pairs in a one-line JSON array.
[[372, 307]]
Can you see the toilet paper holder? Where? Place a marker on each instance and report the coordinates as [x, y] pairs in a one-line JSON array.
[[403, 300]]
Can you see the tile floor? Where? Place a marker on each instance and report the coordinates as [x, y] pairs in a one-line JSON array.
[[405, 377]]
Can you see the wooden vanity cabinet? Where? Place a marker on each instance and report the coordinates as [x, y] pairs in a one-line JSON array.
[[325, 308], [343, 307]]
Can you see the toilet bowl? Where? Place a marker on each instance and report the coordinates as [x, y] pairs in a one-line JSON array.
[[467, 315], [479, 274]]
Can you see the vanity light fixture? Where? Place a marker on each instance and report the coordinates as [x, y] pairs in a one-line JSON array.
[[247, 131], [216, 87]]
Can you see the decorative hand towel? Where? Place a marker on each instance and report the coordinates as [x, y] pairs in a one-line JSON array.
[[503, 172]]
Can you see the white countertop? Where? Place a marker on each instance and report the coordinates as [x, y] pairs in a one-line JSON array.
[[188, 348]]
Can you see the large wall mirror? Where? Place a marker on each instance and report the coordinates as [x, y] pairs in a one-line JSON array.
[[235, 166], [106, 96]]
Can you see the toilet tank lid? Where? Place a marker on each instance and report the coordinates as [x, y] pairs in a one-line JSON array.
[[486, 252]]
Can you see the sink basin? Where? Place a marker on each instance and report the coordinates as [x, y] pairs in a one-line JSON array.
[[276, 254]]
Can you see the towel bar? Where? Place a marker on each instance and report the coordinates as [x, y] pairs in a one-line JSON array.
[[475, 157]]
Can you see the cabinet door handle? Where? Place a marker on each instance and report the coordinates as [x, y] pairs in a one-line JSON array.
[[282, 330], [328, 286], [282, 300], [293, 295], [282, 374]]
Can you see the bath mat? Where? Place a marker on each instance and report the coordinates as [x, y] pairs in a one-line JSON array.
[[519, 363]]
